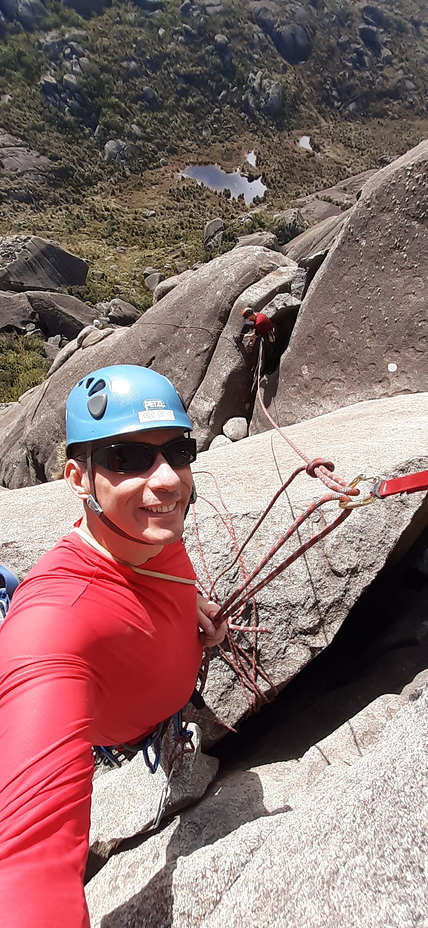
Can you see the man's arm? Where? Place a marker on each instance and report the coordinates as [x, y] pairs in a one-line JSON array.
[[45, 778]]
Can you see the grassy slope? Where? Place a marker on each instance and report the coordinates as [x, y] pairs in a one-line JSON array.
[[94, 209]]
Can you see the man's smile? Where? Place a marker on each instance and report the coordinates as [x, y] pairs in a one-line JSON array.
[[169, 508]]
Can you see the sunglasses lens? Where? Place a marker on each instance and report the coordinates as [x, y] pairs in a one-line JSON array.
[[135, 457], [125, 458], [180, 453]]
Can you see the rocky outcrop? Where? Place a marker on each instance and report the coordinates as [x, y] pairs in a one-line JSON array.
[[361, 330], [331, 797], [118, 312], [304, 612], [15, 312], [287, 225], [349, 845], [59, 313], [87, 7], [333, 201], [50, 313], [263, 95], [19, 161], [213, 233], [33, 263], [359, 333], [291, 36], [29, 13], [177, 336]]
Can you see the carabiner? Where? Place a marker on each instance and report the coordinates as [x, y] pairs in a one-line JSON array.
[[357, 503]]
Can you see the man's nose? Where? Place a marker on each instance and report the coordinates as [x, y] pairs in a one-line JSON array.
[[162, 472]]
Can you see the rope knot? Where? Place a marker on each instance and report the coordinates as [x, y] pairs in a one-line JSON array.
[[318, 462]]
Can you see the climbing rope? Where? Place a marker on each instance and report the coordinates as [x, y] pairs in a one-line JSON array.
[[234, 608]]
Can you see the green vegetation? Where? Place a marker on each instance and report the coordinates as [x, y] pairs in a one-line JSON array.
[[158, 82], [23, 364]]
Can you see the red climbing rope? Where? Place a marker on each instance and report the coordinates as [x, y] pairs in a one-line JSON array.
[[317, 468], [234, 608]]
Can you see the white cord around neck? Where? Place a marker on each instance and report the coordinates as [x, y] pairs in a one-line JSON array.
[[137, 570]]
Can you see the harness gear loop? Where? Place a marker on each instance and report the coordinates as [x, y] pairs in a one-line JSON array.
[[182, 744]]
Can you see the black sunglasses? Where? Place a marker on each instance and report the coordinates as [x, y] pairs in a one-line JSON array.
[[136, 457]]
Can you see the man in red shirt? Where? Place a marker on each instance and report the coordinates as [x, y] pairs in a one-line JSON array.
[[104, 636], [264, 328]]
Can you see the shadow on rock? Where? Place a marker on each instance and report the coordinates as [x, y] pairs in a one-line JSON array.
[[228, 804]]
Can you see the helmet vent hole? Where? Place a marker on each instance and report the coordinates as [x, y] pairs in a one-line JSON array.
[[97, 405], [96, 387]]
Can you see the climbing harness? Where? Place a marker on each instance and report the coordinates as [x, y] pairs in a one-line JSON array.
[[181, 743], [8, 585]]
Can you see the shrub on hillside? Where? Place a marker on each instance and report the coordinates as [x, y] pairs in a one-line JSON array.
[[23, 364]]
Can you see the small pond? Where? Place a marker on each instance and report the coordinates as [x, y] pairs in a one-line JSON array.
[[305, 142], [212, 176]]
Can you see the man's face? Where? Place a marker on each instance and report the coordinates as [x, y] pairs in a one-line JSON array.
[[149, 506]]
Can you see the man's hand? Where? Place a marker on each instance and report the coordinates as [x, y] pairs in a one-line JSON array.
[[207, 611]]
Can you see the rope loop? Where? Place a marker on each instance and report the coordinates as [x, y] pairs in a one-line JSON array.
[[318, 462]]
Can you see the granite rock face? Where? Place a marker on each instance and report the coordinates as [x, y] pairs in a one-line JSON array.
[[304, 607], [336, 838], [18, 161], [348, 302], [177, 336], [33, 263], [362, 329]]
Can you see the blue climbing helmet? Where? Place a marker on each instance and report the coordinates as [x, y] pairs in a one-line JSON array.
[[119, 399]]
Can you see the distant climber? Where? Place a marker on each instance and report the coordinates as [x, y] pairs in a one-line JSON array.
[[263, 328]]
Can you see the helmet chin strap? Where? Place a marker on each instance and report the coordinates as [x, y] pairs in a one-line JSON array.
[[92, 503]]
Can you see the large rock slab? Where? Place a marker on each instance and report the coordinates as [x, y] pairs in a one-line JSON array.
[[354, 854], [177, 337], [331, 201], [187, 873], [34, 263], [15, 312], [304, 607], [60, 313], [362, 329], [259, 294], [20, 161]]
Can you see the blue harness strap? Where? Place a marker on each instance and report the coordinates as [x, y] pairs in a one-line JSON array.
[[8, 585], [115, 755]]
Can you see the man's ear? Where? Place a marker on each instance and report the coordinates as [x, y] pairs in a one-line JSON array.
[[75, 474]]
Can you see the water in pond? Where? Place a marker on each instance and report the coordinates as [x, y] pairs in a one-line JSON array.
[[251, 157], [218, 180], [305, 142]]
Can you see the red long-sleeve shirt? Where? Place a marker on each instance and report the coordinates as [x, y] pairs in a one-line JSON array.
[[262, 324], [90, 653]]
